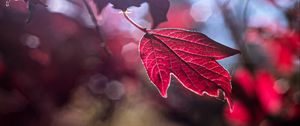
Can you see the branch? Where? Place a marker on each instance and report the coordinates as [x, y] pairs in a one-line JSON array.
[[236, 33], [245, 14], [94, 19]]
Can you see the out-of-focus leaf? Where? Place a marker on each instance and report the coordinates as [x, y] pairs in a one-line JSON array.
[[271, 100], [240, 115], [158, 8]]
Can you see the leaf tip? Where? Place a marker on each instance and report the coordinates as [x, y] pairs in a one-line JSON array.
[[238, 51], [229, 102], [230, 105], [234, 51], [164, 94]]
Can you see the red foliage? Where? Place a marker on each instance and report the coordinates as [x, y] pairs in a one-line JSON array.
[[282, 46], [239, 115], [245, 79], [270, 99], [39, 76], [260, 85], [190, 56], [283, 49], [259, 89]]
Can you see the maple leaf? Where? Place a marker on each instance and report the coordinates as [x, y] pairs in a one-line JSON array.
[[188, 56], [158, 8]]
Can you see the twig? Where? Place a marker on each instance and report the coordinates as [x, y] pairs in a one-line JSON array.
[[94, 20], [245, 13], [236, 33]]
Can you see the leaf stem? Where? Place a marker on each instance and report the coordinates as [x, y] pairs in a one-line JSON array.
[[133, 23]]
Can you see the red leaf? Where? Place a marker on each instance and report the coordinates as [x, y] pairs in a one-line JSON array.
[[244, 78], [240, 115], [269, 98], [190, 57]]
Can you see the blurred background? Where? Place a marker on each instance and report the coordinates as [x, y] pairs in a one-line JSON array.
[[55, 71]]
